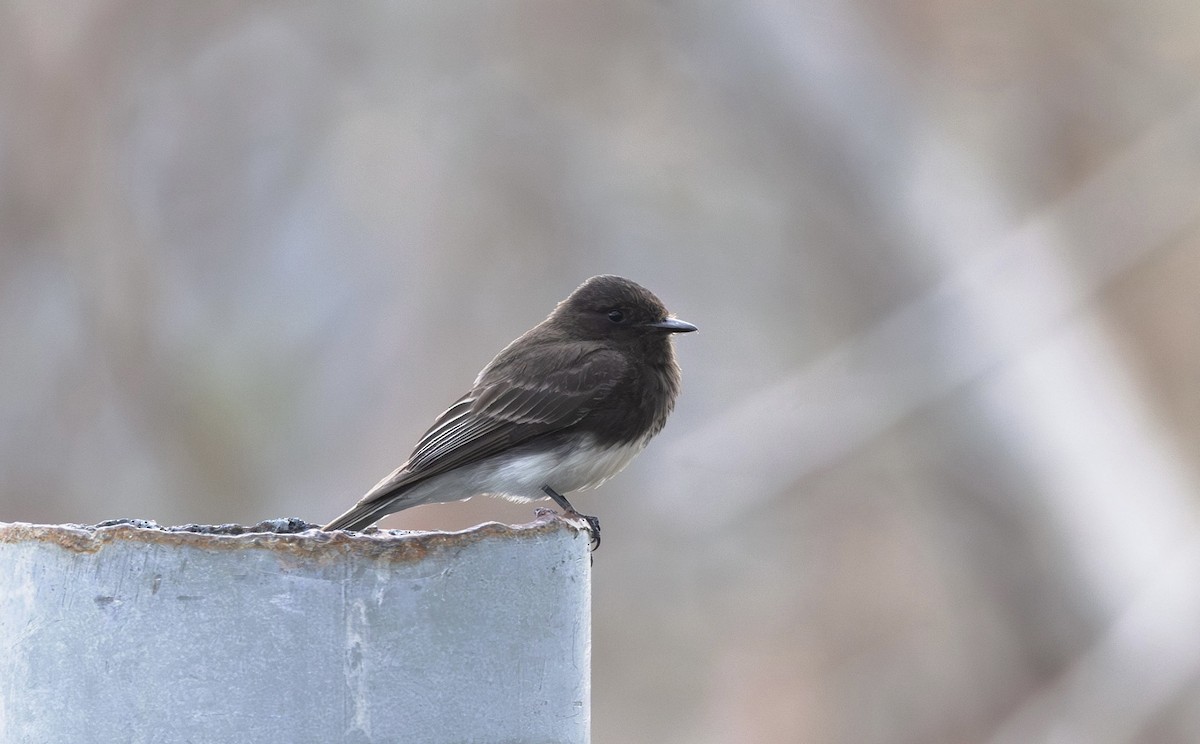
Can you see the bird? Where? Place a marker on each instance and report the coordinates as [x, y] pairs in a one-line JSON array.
[[564, 407]]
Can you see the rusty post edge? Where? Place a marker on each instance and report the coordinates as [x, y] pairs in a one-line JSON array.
[[285, 535]]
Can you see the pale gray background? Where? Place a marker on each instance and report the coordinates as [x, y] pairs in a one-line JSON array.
[[933, 476]]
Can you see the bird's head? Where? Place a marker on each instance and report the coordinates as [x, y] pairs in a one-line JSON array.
[[612, 307]]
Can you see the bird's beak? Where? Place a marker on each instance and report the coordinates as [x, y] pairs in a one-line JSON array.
[[674, 325]]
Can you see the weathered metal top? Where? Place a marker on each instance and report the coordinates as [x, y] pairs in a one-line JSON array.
[[290, 536]]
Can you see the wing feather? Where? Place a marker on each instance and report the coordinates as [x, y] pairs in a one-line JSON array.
[[500, 413]]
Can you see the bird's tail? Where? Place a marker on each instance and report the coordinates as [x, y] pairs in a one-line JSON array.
[[361, 515], [385, 497]]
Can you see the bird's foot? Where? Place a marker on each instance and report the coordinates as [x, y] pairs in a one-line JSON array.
[[569, 512], [593, 524]]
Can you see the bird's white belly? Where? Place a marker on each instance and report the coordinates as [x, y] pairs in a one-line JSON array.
[[582, 467], [522, 478]]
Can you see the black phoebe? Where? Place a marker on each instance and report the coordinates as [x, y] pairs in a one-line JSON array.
[[566, 406]]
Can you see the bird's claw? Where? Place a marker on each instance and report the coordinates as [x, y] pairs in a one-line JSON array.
[[593, 524]]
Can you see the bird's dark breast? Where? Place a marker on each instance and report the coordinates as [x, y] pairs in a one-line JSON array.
[[637, 408]]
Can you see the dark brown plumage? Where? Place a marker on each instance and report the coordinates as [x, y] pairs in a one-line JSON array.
[[565, 406]]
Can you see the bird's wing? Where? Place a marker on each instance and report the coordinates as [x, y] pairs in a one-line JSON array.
[[498, 414]]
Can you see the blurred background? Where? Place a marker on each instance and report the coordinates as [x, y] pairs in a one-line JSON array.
[[933, 475]]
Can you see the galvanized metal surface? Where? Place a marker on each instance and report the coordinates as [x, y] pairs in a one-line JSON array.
[[134, 633]]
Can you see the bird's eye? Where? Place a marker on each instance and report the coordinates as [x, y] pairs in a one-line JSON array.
[[616, 316]]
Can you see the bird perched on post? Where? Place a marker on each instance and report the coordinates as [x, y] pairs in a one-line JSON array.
[[565, 406]]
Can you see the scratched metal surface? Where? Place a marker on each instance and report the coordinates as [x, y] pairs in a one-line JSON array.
[[134, 633]]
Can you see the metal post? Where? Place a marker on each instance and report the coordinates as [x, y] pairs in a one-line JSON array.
[[128, 632]]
